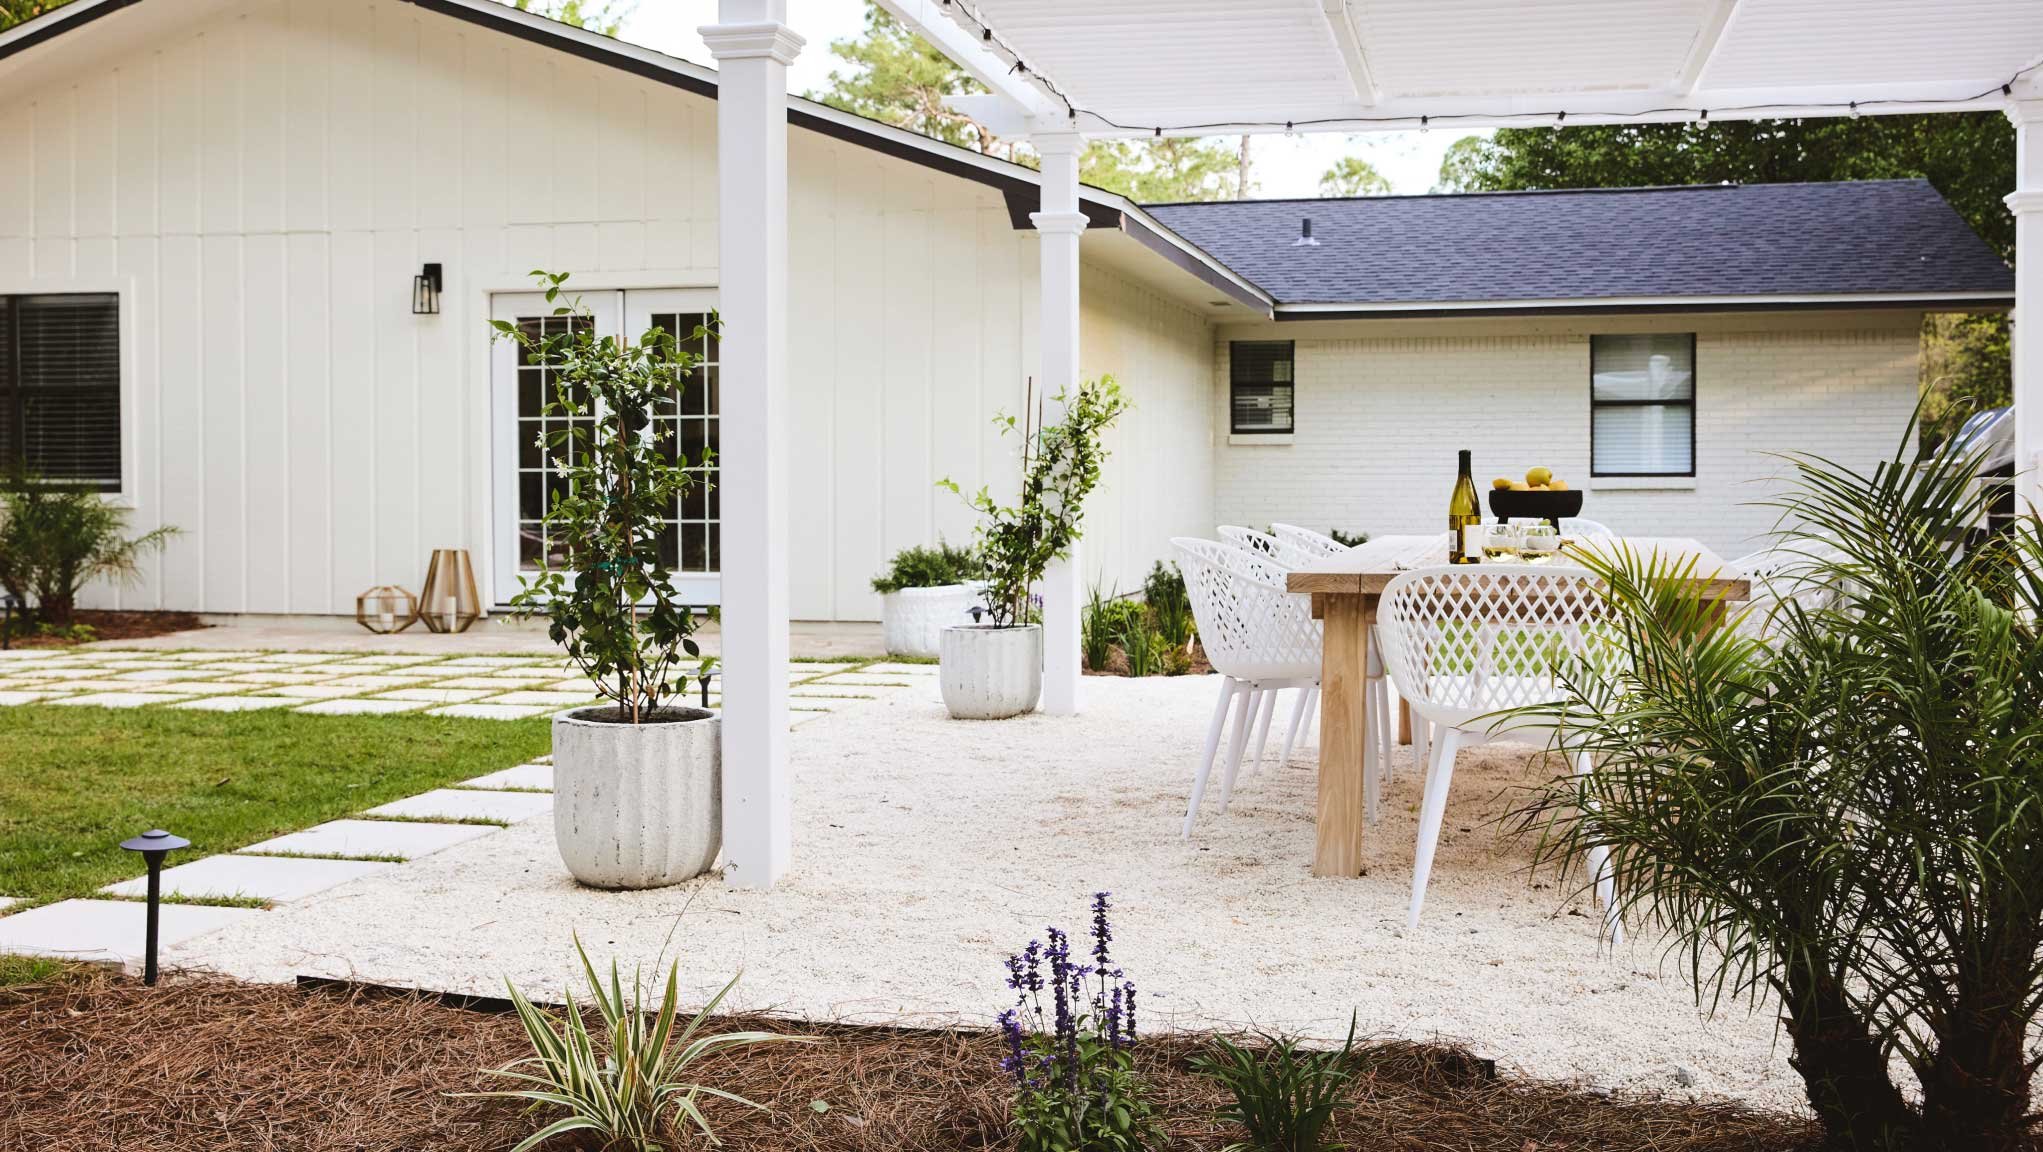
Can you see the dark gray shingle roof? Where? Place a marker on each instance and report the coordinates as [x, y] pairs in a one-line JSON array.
[[1878, 236]]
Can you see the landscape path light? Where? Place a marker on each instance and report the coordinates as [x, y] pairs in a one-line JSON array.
[[154, 845]]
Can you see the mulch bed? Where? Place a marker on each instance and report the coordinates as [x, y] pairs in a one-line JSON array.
[[98, 1062], [113, 626]]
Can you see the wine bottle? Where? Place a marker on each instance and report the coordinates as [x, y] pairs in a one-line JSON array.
[[1463, 512]]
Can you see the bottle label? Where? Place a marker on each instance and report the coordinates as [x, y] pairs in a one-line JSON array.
[[1473, 537]]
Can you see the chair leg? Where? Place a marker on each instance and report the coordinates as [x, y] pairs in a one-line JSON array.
[[1298, 711], [1244, 703], [1205, 765], [1262, 736], [1311, 710], [1431, 812], [1379, 725], [1600, 870]]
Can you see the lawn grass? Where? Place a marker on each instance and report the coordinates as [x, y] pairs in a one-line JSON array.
[[74, 782]]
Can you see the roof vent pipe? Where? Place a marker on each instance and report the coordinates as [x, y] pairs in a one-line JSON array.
[[1305, 239]]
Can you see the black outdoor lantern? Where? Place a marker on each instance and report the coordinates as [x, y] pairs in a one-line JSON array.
[[154, 845], [425, 291]]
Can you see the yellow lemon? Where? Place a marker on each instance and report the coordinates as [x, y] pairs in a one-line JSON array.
[[1559, 486], [1520, 486], [1538, 476], [1501, 482]]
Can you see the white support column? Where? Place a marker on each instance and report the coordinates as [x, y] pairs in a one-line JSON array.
[[753, 47], [1059, 225], [2026, 202]]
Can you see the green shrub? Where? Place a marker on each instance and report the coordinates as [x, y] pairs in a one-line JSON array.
[[1844, 813], [54, 540], [1164, 592], [1344, 539], [632, 1096], [936, 567], [1284, 1094], [1100, 626], [1141, 644]]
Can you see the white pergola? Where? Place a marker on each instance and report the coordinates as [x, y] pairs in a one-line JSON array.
[[1063, 71]]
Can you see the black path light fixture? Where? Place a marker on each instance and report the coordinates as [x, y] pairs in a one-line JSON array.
[[425, 291], [154, 845], [9, 605]]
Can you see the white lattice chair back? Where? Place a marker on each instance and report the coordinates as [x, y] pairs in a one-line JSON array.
[[1249, 625], [1466, 641], [1286, 555], [1307, 540]]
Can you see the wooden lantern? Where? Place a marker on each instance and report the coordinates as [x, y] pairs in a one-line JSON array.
[[448, 602], [386, 608]]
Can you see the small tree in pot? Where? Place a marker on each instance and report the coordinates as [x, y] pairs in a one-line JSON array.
[[994, 670], [637, 793]]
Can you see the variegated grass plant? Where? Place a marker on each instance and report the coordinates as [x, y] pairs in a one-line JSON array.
[[635, 1095]]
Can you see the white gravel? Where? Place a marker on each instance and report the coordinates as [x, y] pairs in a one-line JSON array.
[[927, 849]]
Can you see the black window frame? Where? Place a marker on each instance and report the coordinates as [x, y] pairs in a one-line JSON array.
[[15, 395], [1235, 383], [1694, 397]]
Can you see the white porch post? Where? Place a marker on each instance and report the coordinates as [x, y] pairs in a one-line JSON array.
[[2026, 202], [753, 47], [1060, 224]]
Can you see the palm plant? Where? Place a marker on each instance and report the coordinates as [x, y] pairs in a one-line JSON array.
[[626, 1097], [1847, 813], [1284, 1094], [54, 540]]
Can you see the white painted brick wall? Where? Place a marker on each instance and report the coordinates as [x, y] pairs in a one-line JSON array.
[[1380, 418]]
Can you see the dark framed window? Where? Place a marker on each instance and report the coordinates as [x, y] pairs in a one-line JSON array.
[[60, 388], [1260, 389], [1642, 405]]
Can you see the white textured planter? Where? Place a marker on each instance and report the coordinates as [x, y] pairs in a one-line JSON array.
[[913, 619], [637, 805], [991, 673]]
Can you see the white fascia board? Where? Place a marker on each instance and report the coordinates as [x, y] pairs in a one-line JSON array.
[[1716, 18], [979, 58], [1348, 38], [1615, 303]]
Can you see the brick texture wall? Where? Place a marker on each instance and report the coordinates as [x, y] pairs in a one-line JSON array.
[[1381, 412]]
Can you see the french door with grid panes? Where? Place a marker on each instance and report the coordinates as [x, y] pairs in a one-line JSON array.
[[525, 476]]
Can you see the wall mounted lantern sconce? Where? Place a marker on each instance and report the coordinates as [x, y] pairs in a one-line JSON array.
[[425, 291]]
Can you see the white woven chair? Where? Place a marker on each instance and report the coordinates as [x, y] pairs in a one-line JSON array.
[[1790, 572], [1260, 637], [1464, 642], [1307, 540], [1290, 556]]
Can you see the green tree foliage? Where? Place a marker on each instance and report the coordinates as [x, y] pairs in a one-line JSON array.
[[602, 16], [896, 77], [1969, 157], [14, 12], [1353, 176]]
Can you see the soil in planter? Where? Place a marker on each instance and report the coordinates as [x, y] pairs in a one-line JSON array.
[[610, 714], [98, 1062], [107, 626]]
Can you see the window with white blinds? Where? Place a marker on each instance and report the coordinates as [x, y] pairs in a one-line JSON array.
[[60, 388], [1642, 405], [1260, 387]]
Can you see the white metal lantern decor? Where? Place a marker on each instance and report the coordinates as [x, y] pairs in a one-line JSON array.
[[386, 608]]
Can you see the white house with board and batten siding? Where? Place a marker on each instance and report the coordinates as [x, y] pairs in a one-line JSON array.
[[212, 214]]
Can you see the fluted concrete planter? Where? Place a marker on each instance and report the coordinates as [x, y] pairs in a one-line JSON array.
[[991, 673], [637, 805], [913, 619]]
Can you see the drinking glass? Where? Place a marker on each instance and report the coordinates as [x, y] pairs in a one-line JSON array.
[[1503, 542], [1540, 543]]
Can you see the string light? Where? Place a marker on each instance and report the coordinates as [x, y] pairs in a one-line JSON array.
[[1855, 108]]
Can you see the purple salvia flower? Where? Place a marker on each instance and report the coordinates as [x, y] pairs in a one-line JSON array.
[[1015, 1062], [1113, 1019], [1130, 998], [1102, 932], [1032, 958]]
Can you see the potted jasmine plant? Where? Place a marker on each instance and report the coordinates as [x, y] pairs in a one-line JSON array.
[[923, 591], [993, 668], [637, 787]]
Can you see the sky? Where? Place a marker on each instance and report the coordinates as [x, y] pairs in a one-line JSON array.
[[1281, 166]]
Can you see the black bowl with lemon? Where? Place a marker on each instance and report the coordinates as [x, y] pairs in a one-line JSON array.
[[1539, 496]]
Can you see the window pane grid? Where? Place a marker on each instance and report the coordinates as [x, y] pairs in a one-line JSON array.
[[1261, 387], [538, 480], [692, 543], [1642, 391], [60, 388]]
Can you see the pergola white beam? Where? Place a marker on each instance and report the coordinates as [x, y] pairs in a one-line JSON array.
[[2026, 202], [1715, 20], [1348, 38], [978, 57], [1060, 224], [753, 47]]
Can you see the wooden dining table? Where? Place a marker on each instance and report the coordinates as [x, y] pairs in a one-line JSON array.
[[1344, 591]]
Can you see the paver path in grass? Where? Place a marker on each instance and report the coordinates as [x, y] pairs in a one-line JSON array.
[[351, 684]]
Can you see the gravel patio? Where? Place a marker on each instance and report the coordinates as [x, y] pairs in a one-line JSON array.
[[928, 849]]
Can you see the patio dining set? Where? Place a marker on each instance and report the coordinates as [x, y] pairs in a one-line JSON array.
[[1467, 652]]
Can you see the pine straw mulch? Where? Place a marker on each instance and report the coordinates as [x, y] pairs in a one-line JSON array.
[[111, 626], [97, 1062]]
